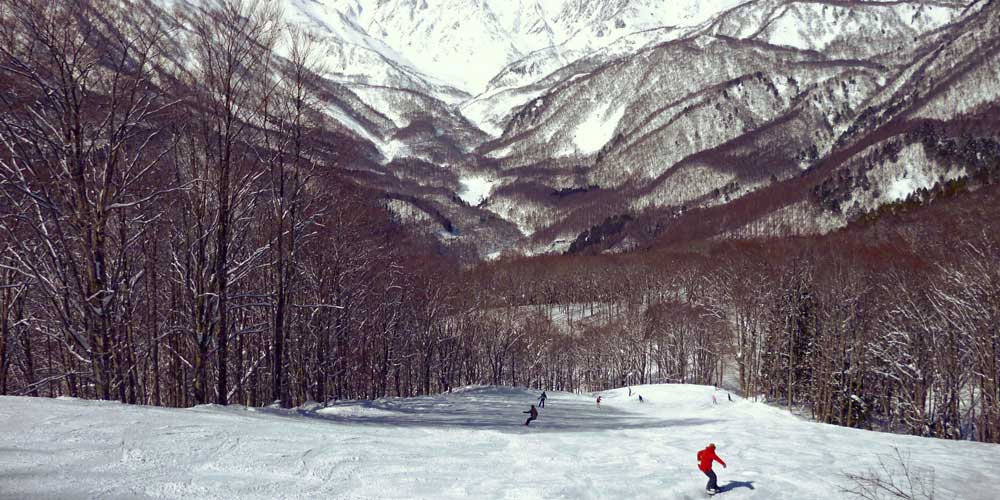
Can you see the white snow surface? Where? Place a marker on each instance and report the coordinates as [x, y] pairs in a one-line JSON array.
[[598, 129], [903, 187], [468, 444], [390, 149], [466, 43], [814, 26], [474, 190]]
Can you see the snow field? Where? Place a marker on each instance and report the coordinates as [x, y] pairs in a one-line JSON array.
[[475, 189], [468, 444], [598, 129]]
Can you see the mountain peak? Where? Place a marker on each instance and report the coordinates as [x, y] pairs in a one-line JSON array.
[[465, 43]]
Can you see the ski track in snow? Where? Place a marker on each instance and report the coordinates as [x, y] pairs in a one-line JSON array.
[[468, 444]]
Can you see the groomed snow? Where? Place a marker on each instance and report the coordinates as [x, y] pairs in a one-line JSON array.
[[469, 444]]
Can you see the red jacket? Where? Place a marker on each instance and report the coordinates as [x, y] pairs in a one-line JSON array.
[[705, 458]]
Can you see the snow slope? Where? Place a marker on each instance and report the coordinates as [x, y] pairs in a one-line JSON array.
[[466, 43], [469, 444], [475, 189]]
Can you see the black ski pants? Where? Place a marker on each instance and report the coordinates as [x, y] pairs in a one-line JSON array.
[[713, 483]]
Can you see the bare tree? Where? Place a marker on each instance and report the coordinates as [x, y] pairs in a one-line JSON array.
[[75, 124], [288, 118], [233, 42], [894, 478]]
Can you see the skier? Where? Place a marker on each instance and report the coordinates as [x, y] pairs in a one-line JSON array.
[[541, 400], [705, 458], [640, 399], [532, 415], [598, 402], [730, 396]]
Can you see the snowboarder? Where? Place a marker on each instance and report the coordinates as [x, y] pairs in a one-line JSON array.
[[532, 415], [541, 400], [705, 458], [598, 402]]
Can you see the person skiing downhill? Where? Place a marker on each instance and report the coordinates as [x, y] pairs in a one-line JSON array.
[[532, 415], [541, 400], [705, 458], [598, 402]]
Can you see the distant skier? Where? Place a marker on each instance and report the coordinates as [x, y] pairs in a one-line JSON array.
[[730, 396], [541, 400], [641, 400], [630, 392], [705, 458], [598, 402], [532, 415]]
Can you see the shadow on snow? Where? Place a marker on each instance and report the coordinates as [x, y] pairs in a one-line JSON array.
[[732, 485], [487, 408]]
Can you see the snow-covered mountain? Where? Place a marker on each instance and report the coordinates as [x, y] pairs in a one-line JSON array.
[[518, 125], [466, 44], [464, 53]]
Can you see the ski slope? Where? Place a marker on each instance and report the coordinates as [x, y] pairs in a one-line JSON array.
[[468, 444]]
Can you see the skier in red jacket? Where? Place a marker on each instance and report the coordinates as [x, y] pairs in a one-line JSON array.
[[705, 458]]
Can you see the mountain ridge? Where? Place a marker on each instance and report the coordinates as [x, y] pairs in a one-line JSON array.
[[630, 107]]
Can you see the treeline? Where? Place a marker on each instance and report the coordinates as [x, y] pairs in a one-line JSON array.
[[888, 328], [174, 225]]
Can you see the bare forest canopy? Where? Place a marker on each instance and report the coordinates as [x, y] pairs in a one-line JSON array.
[[175, 229]]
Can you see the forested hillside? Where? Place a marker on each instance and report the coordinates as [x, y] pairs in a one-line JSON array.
[[185, 219]]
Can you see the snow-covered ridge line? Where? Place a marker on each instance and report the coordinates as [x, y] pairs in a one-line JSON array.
[[568, 94]]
